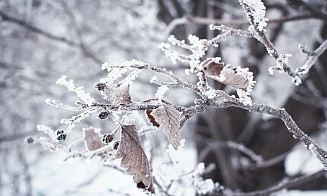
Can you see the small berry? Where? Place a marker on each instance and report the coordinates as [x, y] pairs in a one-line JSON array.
[[103, 115], [61, 135], [116, 145], [140, 185], [107, 138], [100, 86], [29, 140]]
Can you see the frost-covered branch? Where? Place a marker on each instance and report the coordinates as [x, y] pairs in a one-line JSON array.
[[280, 113], [235, 22], [313, 57], [255, 12], [119, 105]]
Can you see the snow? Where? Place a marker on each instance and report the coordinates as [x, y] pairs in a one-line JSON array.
[[161, 92], [258, 12]]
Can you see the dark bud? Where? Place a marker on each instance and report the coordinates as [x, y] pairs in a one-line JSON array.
[[116, 145], [100, 86], [103, 115], [61, 134], [140, 185], [107, 138], [29, 140]]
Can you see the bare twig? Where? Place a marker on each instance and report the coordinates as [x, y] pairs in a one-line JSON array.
[[285, 184], [285, 117], [208, 21], [313, 57], [281, 59], [50, 36]]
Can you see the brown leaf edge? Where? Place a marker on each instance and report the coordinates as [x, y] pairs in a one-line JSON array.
[[151, 119]]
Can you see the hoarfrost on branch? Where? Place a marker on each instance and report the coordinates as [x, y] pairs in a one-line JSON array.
[[169, 117]]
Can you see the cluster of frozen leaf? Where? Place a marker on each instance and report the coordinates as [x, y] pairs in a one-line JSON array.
[[129, 146], [119, 104], [239, 78]]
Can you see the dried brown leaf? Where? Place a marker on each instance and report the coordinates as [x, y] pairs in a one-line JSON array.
[[235, 80], [134, 157], [120, 94], [92, 139], [168, 118], [236, 77]]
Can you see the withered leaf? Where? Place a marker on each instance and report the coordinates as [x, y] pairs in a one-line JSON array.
[[92, 139], [237, 78], [120, 94], [168, 118], [134, 157], [151, 118]]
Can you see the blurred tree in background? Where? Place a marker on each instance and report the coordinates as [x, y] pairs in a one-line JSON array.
[[42, 40]]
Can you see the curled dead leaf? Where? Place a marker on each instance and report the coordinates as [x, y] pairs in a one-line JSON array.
[[134, 157]]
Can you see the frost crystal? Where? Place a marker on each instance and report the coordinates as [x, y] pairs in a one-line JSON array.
[[197, 47], [199, 169], [297, 81], [113, 73], [47, 130], [281, 61], [132, 76], [258, 11], [78, 90], [153, 79], [161, 92], [204, 186], [173, 55], [210, 93]]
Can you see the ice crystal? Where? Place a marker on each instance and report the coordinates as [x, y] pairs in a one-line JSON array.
[[211, 93], [161, 92], [173, 55], [199, 169], [47, 130], [113, 73], [153, 79], [204, 186], [258, 11], [78, 90]]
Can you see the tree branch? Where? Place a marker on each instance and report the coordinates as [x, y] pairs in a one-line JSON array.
[[313, 57], [208, 21], [284, 184], [50, 36]]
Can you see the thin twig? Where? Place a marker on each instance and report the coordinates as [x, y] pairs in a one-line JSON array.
[[50, 36], [235, 22], [312, 59], [285, 184]]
